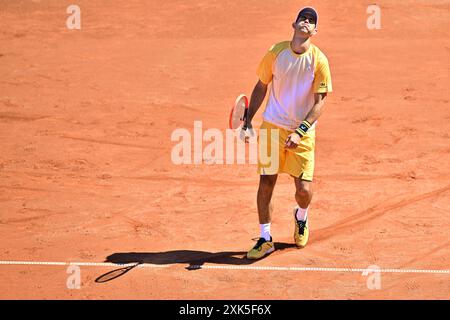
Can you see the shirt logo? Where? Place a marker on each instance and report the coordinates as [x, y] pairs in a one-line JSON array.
[[323, 85]]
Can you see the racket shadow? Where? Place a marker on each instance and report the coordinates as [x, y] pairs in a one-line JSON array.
[[115, 274], [193, 258]]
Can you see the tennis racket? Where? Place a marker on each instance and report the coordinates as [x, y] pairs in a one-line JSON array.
[[238, 114]]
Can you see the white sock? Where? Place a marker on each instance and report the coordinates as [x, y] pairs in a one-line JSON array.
[[265, 231], [301, 214]]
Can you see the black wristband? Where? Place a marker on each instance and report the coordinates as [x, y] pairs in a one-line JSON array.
[[300, 132], [303, 128]]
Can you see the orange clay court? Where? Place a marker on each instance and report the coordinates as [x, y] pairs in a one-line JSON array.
[[86, 176]]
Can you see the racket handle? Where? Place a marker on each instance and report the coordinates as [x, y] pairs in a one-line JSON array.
[[244, 126]]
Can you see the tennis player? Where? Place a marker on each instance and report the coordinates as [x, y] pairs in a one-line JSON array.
[[300, 79]]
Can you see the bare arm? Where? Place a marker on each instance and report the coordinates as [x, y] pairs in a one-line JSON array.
[[316, 111], [258, 95], [293, 139]]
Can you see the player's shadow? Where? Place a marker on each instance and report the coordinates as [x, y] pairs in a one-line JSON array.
[[193, 259]]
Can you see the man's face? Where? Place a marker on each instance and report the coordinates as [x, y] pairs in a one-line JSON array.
[[306, 24]]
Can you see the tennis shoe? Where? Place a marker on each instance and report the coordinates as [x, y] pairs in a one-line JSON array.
[[261, 248], [301, 232]]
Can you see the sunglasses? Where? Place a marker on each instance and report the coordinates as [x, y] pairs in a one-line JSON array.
[[310, 19]]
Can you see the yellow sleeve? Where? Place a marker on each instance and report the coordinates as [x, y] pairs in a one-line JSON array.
[[265, 69], [322, 76]]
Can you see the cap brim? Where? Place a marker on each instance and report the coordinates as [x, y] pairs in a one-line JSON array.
[[309, 10]]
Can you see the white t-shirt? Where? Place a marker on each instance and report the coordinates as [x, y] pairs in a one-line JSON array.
[[295, 78]]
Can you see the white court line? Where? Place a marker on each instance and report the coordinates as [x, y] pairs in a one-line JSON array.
[[359, 270], [82, 264], [228, 267]]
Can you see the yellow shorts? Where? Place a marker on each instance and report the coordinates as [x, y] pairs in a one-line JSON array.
[[274, 158]]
